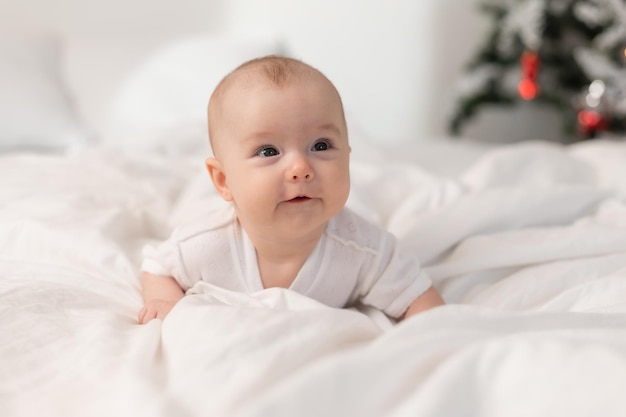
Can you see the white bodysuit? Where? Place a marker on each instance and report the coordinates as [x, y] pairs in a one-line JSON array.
[[353, 261]]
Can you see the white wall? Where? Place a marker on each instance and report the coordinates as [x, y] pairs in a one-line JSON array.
[[375, 51], [395, 62], [116, 18]]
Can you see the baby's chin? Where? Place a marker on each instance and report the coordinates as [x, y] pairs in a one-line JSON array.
[[296, 222]]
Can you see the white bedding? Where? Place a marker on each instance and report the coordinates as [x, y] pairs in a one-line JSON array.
[[527, 244]]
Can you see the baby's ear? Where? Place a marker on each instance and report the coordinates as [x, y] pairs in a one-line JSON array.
[[216, 172]]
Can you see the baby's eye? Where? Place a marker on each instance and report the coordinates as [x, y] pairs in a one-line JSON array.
[[321, 145], [267, 151]]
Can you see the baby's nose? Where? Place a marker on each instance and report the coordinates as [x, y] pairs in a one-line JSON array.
[[300, 170]]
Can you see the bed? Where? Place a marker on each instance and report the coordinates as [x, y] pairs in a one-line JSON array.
[[525, 241]]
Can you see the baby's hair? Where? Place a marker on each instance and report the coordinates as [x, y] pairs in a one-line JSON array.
[[275, 70]]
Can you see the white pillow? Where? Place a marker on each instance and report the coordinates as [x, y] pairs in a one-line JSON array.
[[36, 111], [170, 91]]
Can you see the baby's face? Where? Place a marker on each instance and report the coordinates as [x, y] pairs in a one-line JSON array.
[[285, 155]]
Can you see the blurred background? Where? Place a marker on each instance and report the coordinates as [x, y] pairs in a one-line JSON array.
[[401, 66]]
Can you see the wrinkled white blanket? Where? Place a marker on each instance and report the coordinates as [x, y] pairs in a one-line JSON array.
[[527, 244]]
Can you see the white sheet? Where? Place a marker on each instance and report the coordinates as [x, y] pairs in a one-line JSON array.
[[527, 244]]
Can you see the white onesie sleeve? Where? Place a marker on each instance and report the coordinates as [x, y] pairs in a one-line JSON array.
[[396, 281], [166, 259], [162, 259], [367, 261], [184, 255]]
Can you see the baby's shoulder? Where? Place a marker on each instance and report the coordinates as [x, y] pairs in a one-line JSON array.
[[352, 230], [211, 223]]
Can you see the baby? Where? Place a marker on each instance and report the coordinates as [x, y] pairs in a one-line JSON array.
[[281, 159]]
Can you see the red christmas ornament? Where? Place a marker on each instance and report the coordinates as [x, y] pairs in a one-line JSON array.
[[590, 122], [528, 87]]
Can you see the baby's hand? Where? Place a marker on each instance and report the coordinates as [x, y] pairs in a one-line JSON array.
[[430, 299], [155, 309]]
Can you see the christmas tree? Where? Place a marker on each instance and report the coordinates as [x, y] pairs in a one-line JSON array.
[[568, 54]]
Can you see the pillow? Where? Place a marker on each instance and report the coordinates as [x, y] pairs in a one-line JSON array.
[[170, 91], [36, 111]]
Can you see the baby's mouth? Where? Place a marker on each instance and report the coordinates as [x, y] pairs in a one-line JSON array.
[[299, 199]]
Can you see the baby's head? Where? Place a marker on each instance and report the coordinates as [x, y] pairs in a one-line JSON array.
[[280, 141], [270, 71]]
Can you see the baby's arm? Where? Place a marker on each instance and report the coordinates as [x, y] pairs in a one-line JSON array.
[[159, 293], [429, 299]]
